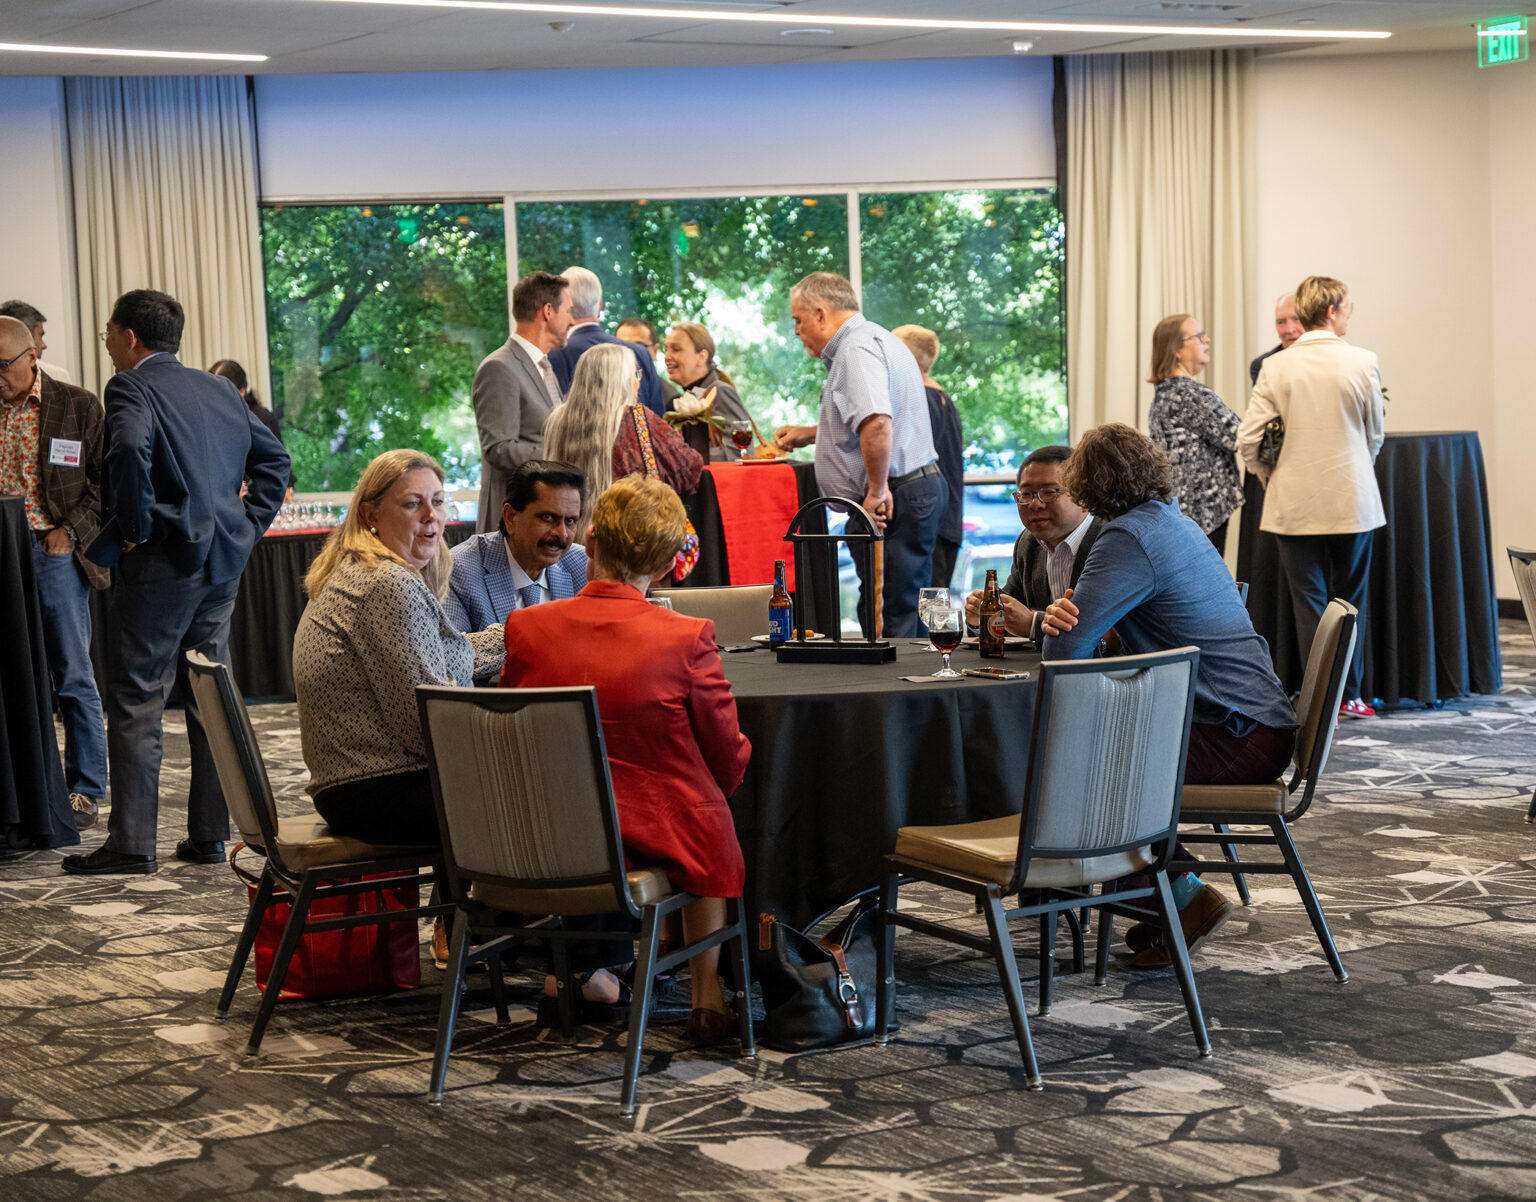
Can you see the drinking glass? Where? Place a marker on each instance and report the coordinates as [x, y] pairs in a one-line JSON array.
[[741, 435], [929, 599], [944, 630]]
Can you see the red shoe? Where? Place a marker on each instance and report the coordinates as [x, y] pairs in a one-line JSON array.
[[1356, 709]]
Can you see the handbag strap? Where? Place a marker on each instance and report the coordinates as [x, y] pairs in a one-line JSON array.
[[643, 433], [245, 874]]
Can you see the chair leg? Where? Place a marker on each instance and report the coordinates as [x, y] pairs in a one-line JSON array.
[[1048, 924], [639, 1007], [1075, 927], [1173, 931], [885, 959], [1106, 923], [1530, 814], [1303, 884], [738, 907], [286, 946], [1230, 851], [247, 940], [448, 1009], [1008, 970], [498, 984], [563, 985]]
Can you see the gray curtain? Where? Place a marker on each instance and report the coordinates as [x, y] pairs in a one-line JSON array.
[[164, 188]]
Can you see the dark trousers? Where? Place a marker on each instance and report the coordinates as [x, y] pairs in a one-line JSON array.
[[160, 615], [1322, 566], [383, 809], [944, 555], [909, 537], [1218, 537]]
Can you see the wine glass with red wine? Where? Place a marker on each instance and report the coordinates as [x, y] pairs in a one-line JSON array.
[[741, 435], [944, 632]]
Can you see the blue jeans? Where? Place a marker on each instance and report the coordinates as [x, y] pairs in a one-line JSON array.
[[65, 598], [909, 537]]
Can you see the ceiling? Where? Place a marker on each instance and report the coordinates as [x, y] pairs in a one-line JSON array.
[[319, 36]]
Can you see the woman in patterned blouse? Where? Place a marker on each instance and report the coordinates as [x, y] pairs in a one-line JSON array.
[[1194, 427], [374, 629]]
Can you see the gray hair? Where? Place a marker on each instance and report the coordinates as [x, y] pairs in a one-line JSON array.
[[829, 290], [29, 315], [15, 338], [586, 293], [583, 428]]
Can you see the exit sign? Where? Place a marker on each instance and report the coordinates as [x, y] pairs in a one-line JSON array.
[[1502, 40]]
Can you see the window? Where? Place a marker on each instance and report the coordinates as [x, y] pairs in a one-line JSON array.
[[377, 318], [727, 263]]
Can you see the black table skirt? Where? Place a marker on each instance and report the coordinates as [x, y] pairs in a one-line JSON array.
[[713, 568], [34, 803], [267, 611], [843, 755], [1431, 624]]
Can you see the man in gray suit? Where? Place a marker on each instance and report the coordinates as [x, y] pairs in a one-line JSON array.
[[515, 388], [1049, 556]]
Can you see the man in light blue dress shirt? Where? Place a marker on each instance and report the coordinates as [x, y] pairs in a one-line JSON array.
[[874, 440], [533, 558]]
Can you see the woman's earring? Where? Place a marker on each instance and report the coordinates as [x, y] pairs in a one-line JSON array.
[[374, 530]]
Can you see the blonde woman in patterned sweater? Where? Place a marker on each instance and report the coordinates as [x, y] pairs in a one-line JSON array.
[[1194, 427], [374, 629]]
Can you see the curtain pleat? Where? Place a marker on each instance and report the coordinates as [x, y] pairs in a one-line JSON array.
[[164, 181], [1158, 221]]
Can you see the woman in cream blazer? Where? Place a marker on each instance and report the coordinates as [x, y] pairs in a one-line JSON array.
[[1321, 500]]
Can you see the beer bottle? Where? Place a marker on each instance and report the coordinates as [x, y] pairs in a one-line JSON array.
[[781, 622], [992, 630]]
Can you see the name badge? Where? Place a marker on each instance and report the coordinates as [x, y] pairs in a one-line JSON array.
[[64, 451]]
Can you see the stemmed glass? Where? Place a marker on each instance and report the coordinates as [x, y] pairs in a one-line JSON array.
[[944, 630], [741, 435], [929, 599]]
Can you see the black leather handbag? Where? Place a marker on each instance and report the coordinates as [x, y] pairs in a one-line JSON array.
[[818, 991], [1271, 441]]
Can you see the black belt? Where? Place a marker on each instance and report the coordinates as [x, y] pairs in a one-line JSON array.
[[928, 469]]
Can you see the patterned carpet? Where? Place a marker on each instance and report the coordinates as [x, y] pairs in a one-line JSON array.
[[1416, 1079]]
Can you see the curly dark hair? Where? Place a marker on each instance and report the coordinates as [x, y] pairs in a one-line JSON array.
[[1113, 469]]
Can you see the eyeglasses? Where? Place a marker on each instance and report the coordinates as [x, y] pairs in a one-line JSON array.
[[102, 337], [1043, 495], [1200, 334], [6, 364]]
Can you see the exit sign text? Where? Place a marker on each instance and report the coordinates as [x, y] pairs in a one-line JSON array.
[[1502, 40]]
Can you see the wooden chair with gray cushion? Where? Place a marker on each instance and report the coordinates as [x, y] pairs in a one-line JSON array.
[[1101, 802], [1523, 564], [738, 612], [304, 861], [1276, 805], [526, 808]]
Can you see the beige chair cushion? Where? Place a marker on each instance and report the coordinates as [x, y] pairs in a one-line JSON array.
[[1236, 799], [985, 851], [647, 886], [306, 842]]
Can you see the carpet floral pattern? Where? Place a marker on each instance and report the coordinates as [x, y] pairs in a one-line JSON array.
[[1415, 1079]]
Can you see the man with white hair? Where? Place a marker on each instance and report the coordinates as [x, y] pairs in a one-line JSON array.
[[1287, 325], [586, 309]]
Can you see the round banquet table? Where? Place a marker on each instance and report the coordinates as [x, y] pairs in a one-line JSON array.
[[845, 754]]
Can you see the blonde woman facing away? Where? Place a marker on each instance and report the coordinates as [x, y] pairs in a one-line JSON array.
[[374, 629]]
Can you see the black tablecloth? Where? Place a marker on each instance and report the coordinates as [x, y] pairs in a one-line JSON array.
[[1431, 624], [713, 569], [34, 803], [267, 611], [844, 754]]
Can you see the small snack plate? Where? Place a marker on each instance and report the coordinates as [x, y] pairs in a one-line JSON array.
[[811, 636], [1012, 640]]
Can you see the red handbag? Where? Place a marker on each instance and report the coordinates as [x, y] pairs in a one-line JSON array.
[[378, 958]]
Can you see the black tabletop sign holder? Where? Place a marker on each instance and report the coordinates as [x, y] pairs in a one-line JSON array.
[[861, 534]]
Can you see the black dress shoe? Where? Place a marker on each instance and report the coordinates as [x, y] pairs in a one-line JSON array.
[[104, 861], [200, 851]]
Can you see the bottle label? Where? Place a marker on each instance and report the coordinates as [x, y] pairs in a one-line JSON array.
[[780, 625], [999, 626]]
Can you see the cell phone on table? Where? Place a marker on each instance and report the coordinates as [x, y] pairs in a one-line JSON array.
[[995, 673]]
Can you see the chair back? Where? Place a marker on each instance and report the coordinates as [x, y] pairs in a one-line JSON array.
[[524, 796], [738, 612], [1322, 692], [1523, 564], [1106, 760], [237, 759]]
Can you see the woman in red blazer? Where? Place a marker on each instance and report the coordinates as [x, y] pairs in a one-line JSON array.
[[675, 750]]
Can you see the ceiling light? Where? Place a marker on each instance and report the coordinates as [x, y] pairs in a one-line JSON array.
[[923, 23], [117, 52], [805, 33], [1023, 47]]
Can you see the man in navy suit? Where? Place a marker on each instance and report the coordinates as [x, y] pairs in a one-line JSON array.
[[586, 308], [534, 556], [179, 444], [1287, 326]]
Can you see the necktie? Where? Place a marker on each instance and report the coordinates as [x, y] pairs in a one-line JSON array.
[[551, 385], [528, 596]]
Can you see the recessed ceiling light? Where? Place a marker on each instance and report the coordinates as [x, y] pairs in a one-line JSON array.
[[1023, 47], [807, 32], [925, 23], [112, 52]]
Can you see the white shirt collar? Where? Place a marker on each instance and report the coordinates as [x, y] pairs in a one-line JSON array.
[[533, 352], [1317, 336], [1075, 539], [521, 578]]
